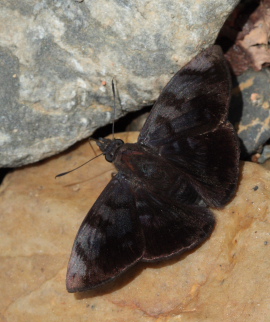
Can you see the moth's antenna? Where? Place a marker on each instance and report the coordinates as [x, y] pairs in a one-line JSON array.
[[114, 108], [91, 146], [64, 173]]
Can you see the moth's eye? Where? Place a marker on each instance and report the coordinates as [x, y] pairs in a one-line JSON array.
[[109, 156], [119, 142]]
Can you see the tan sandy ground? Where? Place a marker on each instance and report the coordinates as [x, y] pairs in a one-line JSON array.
[[226, 279]]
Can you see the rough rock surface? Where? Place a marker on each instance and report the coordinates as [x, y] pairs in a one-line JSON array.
[[248, 32], [226, 279], [58, 57], [251, 109]]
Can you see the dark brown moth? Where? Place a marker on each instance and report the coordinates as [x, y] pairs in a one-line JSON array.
[[186, 160]]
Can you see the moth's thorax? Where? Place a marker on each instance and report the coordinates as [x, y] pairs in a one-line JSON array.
[[135, 160], [128, 154]]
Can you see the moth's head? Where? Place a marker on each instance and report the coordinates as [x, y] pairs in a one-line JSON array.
[[109, 147]]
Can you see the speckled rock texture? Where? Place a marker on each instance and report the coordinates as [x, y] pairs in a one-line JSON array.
[[250, 111], [58, 57], [226, 279]]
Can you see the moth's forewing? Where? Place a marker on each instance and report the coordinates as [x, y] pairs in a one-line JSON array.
[[109, 241], [188, 126], [195, 101]]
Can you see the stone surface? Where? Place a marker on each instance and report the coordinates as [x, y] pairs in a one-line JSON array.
[[265, 155], [250, 111], [247, 31], [58, 57], [226, 279]]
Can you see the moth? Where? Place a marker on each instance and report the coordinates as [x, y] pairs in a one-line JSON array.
[[157, 205]]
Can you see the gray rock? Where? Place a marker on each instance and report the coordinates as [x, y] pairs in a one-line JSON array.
[[265, 155], [58, 58], [251, 110]]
